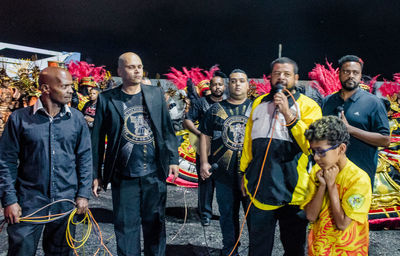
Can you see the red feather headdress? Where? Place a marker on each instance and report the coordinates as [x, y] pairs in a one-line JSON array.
[[197, 75], [263, 87], [390, 88], [81, 69], [326, 80]]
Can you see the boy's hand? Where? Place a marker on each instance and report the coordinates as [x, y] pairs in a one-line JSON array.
[[330, 175], [321, 179]]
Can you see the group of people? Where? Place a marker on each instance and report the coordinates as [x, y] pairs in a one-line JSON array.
[[290, 160], [282, 156]]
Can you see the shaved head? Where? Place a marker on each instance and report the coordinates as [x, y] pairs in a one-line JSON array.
[[127, 56], [130, 69], [56, 86], [53, 75]]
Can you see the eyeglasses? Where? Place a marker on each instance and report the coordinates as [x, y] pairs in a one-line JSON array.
[[285, 74], [321, 153]]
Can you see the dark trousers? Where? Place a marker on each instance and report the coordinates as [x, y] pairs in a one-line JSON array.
[[229, 198], [23, 238], [292, 225], [139, 202], [205, 193]]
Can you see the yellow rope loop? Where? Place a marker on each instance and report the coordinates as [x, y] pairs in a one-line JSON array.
[[70, 238], [71, 241]]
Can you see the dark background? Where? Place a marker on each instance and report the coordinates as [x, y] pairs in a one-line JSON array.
[[235, 34]]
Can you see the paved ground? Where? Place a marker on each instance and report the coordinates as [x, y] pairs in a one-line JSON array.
[[190, 238]]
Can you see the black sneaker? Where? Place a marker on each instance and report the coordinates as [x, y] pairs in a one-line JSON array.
[[205, 222]]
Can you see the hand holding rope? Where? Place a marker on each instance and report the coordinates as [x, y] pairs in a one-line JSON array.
[[81, 205]]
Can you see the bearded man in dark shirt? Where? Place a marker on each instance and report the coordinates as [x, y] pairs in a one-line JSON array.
[[196, 113]]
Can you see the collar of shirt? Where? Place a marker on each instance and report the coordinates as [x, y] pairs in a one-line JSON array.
[[355, 95], [65, 110]]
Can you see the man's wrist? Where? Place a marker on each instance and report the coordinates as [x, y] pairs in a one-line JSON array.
[[350, 129]]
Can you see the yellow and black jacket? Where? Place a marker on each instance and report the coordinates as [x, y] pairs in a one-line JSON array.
[[285, 177]]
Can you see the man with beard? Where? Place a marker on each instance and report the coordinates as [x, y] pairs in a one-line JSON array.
[[141, 152], [45, 156], [278, 123], [363, 113], [196, 113], [222, 131]]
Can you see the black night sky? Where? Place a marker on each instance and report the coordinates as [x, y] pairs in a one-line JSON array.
[[232, 33]]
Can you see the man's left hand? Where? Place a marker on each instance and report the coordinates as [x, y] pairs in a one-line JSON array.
[[348, 126], [174, 169], [82, 205]]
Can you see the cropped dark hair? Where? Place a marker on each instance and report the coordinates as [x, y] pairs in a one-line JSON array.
[[237, 70], [96, 89], [219, 73], [329, 128], [286, 60], [350, 58]]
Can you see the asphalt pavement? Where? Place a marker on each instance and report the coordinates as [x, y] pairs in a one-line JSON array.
[[185, 234]]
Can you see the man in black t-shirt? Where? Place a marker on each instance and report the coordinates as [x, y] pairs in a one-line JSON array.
[[196, 113], [141, 153], [363, 113], [222, 130], [137, 148]]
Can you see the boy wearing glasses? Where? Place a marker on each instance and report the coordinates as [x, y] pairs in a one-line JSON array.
[[339, 193]]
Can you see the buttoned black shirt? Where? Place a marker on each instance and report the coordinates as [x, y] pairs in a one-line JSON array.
[[44, 158]]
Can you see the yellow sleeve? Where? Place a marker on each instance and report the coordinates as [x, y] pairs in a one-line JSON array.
[[311, 187], [356, 200], [309, 112], [247, 154]]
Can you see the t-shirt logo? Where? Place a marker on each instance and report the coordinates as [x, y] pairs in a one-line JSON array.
[[137, 128], [233, 132], [356, 201]]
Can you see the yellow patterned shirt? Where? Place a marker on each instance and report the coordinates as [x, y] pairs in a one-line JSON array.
[[354, 187]]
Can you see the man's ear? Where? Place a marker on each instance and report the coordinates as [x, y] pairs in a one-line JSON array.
[[296, 78], [44, 88]]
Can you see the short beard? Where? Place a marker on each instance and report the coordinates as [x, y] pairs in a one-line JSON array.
[[347, 88], [217, 95]]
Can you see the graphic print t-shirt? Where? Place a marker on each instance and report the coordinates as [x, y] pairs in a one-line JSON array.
[[225, 123], [137, 149]]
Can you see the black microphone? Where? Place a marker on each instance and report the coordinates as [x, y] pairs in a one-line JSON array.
[[339, 110], [279, 87], [214, 167]]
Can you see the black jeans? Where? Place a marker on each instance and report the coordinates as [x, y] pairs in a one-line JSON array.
[[292, 225], [139, 202], [229, 198], [205, 193], [23, 238]]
